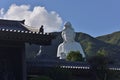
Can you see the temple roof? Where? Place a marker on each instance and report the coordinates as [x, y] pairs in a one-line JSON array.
[[16, 31], [13, 25]]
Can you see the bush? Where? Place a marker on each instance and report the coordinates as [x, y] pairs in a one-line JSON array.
[[74, 56], [99, 66]]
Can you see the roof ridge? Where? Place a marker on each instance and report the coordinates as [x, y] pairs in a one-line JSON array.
[[12, 24], [6, 21]]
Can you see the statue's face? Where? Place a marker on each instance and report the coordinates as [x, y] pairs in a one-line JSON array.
[[68, 35]]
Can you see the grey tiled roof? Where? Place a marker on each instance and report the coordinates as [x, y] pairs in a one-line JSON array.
[[11, 30], [12, 25]]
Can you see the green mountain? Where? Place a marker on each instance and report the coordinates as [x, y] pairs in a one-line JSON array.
[[113, 38], [93, 46]]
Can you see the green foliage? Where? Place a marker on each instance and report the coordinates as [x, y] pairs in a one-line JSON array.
[[113, 38], [99, 61], [74, 56], [102, 52], [94, 46], [99, 66], [90, 44]]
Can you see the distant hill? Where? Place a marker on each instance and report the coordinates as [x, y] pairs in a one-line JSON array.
[[91, 46], [113, 38]]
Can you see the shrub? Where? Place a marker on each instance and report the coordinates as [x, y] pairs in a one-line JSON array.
[[74, 56]]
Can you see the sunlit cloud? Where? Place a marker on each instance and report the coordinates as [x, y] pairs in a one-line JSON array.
[[33, 18]]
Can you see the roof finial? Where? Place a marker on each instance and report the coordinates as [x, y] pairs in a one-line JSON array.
[[23, 21]]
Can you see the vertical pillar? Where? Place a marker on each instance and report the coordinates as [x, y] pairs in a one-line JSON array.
[[24, 72]]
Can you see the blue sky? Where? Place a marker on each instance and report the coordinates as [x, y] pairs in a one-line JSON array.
[[94, 17]]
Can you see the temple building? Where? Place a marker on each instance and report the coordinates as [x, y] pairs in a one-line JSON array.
[[13, 36]]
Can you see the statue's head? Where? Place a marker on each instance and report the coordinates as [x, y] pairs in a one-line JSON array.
[[67, 24], [68, 33]]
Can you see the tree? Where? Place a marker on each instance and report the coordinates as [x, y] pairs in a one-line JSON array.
[[74, 56], [99, 66], [102, 52]]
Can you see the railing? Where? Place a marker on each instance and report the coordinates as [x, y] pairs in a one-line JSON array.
[[66, 65]]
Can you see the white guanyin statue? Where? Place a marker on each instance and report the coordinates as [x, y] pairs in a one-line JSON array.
[[69, 44]]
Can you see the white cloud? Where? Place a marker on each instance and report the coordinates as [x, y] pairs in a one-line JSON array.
[[1, 11], [34, 18]]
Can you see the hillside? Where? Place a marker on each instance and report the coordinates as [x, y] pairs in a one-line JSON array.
[[113, 38], [91, 47]]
